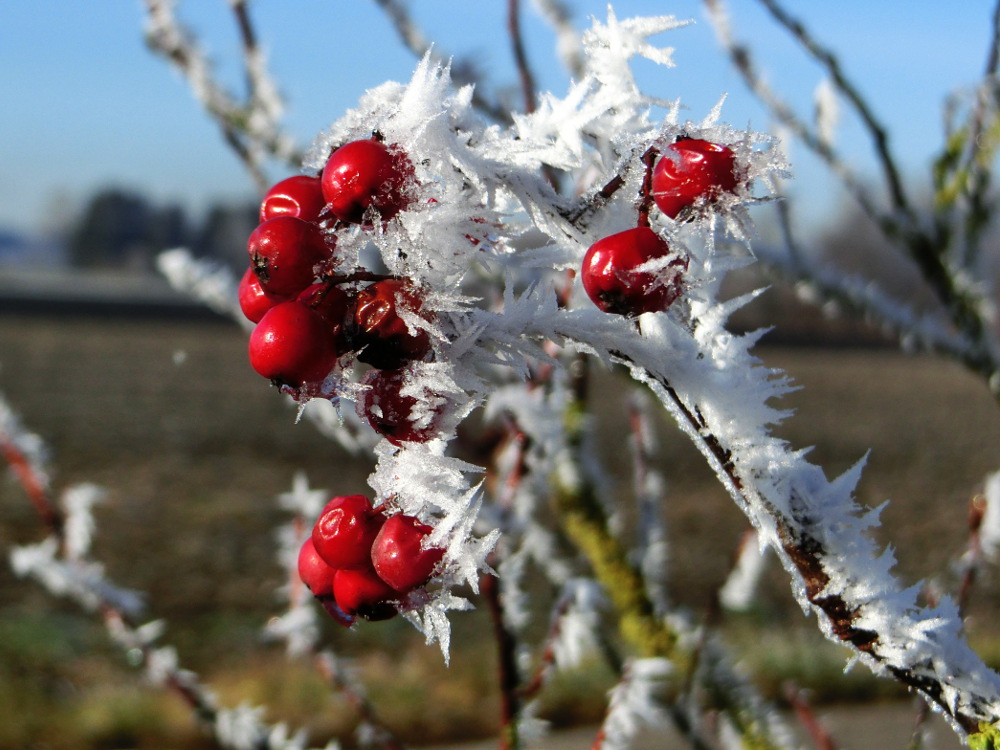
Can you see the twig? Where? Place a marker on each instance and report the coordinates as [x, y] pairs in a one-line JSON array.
[[330, 668], [807, 718], [35, 487], [808, 554], [415, 41], [524, 73], [250, 127], [507, 671], [740, 57], [876, 130]]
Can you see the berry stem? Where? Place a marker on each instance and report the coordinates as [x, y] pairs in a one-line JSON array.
[[646, 191]]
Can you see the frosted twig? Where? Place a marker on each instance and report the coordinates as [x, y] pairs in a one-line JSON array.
[[414, 40], [807, 718], [250, 127], [333, 669], [20, 449], [567, 37], [65, 568], [741, 58], [875, 129], [927, 246], [527, 78], [652, 543]]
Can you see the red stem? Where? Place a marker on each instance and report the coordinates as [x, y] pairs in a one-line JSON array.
[[33, 485], [807, 717]]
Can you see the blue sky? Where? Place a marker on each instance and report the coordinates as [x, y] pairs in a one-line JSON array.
[[85, 105]]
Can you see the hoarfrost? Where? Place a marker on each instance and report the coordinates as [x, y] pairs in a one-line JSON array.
[[636, 702]]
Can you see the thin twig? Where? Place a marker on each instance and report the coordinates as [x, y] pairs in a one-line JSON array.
[[250, 127], [415, 41], [807, 718], [507, 671], [876, 130], [527, 78], [34, 486], [330, 668]]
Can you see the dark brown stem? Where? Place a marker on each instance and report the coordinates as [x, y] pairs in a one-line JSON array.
[[520, 56], [355, 276], [507, 671], [646, 191]]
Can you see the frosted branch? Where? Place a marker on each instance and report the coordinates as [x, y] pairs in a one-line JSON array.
[[250, 127]]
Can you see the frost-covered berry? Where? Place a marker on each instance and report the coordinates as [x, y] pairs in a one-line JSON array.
[[398, 418], [345, 531], [361, 592], [692, 169], [300, 196], [285, 252], [383, 337], [398, 554], [367, 174], [292, 345], [314, 572], [613, 282], [254, 301]]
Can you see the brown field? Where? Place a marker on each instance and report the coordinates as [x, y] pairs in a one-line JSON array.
[[193, 448]]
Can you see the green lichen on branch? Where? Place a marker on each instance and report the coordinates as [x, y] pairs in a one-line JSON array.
[[987, 738]]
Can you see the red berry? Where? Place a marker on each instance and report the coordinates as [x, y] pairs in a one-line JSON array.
[[396, 417], [254, 301], [314, 572], [336, 307], [361, 592], [366, 174], [300, 196], [398, 555], [611, 280], [284, 253], [345, 531], [693, 170], [292, 345], [383, 336]]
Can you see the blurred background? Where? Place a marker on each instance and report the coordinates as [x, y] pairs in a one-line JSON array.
[[107, 160]]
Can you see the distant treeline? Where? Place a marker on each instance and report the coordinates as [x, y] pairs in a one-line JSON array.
[[121, 228], [124, 229]]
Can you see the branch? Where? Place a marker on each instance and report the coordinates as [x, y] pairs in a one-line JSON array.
[[876, 130], [250, 126], [415, 41], [527, 78], [815, 528]]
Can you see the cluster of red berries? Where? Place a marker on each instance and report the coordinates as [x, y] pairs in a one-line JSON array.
[[307, 315], [696, 171], [359, 562]]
